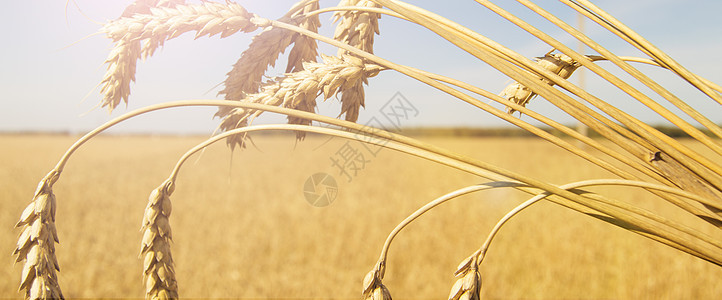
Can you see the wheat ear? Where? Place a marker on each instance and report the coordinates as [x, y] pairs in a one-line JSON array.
[[298, 89], [357, 29], [36, 244], [556, 63], [156, 27], [158, 270], [247, 73], [245, 77], [305, 49]]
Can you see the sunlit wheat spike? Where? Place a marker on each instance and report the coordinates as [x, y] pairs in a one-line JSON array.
[[121, 61], [468, 284], [557, 63], [123, 57], [356, 29], [305, 49], [36, 244], [156, 27], [247, 73], [299, 90], [158, 268]]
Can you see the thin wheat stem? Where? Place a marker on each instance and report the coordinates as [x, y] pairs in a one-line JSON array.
[[491, 185], [436, 202], [674, 171], [565, 194], [552, 94], [455, 194], [487, 174], [284, 127], [691, 130], [603, 18], [645, 169], [442, 26], [429, 152], [463, 164], [435, 22], [470, 41], [598, 182], [688, 158], [653, 62]]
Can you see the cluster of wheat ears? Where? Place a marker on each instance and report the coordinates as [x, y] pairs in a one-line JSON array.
[[653, 161]]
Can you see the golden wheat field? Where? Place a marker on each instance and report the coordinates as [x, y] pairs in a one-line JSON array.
[[243, 229]]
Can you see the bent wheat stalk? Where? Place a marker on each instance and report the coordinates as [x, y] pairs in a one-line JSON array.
[[578, 203], [427, 80], [478, 256], [428, 152]]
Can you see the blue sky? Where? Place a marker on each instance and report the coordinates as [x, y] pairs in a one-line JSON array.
[[49, 68]]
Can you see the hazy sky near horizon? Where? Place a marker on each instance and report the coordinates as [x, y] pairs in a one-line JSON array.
[[49, 66]]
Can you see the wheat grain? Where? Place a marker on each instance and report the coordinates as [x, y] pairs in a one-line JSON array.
[[557, 63], [468, 284], [156, 27], [158, 270], [36, 244], [299, 90]]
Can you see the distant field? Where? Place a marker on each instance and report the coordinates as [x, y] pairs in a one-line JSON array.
[[243, 229]]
